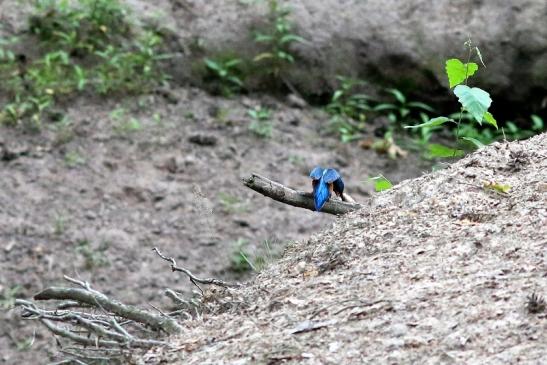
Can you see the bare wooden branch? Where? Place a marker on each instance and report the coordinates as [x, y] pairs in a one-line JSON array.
[[102, 326], [300, 199], [99, 300], [83, 340], [75, 357], [193, 278]]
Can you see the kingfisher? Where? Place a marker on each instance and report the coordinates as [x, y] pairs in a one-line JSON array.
[[324, 182]]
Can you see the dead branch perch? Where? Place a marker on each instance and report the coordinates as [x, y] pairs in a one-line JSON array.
[[99, 300], [193, 278], [296, 198]]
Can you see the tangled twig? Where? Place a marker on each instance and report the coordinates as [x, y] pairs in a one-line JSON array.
[[94, 322], [194, 279]]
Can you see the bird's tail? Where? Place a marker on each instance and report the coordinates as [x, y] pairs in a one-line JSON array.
[[321, 194]]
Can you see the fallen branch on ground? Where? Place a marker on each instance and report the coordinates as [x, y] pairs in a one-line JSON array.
[[95, 322], [296, 198], [96, 299]]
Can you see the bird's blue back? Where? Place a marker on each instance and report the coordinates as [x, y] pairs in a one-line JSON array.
[[316, 173]]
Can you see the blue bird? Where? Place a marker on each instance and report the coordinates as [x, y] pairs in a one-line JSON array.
[[324, 182]]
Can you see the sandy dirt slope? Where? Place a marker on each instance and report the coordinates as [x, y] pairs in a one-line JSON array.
[[435, 271]]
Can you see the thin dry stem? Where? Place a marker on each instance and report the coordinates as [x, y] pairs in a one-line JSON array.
[[193, 278]]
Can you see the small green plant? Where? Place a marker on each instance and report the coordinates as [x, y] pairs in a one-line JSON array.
[[227, 73], [124, 124], [63, 129], [512, 132], [79, 27], [488, 134], [265, 255], [239, 261], [82, 46], [277, 39], [74, 159], [348, 109], [59, 225], [381, 183], [231, 203], [93, 257], [156, 117], [422, 136], [297, 160], [474, 101], [133, 70], [244, 260], [25, 344], [261, 124], [401, 110], [497, 187], [129, 125], [8, 296]]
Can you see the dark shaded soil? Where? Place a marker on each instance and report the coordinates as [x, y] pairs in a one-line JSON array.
[[91, 199]]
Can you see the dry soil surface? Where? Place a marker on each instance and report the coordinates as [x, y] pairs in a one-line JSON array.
[[90, 199], [435, 271]]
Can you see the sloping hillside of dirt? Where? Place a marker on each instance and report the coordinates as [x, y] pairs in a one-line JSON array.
[[440, 269]]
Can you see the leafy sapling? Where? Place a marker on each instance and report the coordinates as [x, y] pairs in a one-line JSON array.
[[277, 39], [261, 124], [400, 111], [348, 109], [473, 100], [227, 73]]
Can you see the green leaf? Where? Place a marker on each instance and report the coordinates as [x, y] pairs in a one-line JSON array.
[[232, 63], [211, 64], [263, 38], [476, 101], [285, 56], [337, 95], [360, 96], [263, 56], [398, 95], [489, 118], [291, 38], [512, 127], [476, 142], [500, 188], [384, 106], [381, 183], [537, 122], [432, 122], [235, 80], [417, 104], [457, 71], [439, 150]]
